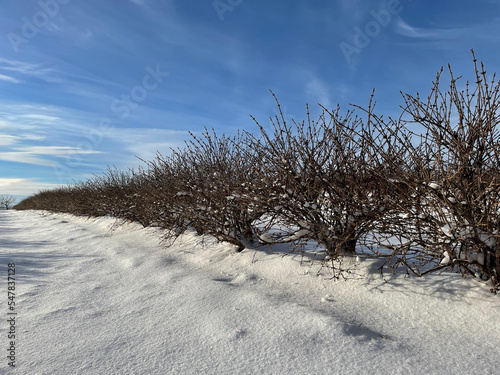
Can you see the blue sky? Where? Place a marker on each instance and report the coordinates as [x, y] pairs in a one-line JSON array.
[[90, 84]]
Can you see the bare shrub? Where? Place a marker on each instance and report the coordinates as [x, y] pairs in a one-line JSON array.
[[43, 200], [315, 181], [448, 180], [207, 183], [7, 201], [118, 193]]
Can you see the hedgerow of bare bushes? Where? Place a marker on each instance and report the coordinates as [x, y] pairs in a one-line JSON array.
[[426, 199]]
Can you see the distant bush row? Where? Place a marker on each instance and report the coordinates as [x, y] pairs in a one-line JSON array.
[[350, 182]]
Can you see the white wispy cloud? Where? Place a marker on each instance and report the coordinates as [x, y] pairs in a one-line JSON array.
[[56, 150], [6, 78], [38, 117], [6, 182], [20, 118], [31, 154], [403, 28], [24, 158], [23, 186], [319, 91], [16, 66], [145, 143], [28, 69], [7, 140]]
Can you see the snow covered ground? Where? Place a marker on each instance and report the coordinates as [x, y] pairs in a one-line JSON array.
[[94, 297]]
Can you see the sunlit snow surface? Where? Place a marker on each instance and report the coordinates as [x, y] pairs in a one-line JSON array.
[[96, 297]]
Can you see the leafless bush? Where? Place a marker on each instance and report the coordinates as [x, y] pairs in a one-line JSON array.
[[117, 193], [448, 180], [208, 182], [316, 183], [120, 194], [7, 201]]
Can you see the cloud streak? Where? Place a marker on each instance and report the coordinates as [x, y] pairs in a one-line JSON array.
[[3, 77], [28, 69], [403, 28], [319, 90], [23, 186], [31, 155]]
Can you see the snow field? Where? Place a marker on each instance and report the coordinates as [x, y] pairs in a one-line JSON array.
[[97, 297]]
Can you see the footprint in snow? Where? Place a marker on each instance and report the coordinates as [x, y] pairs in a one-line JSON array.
[[223, 279], [241, 333], [327, 298]]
